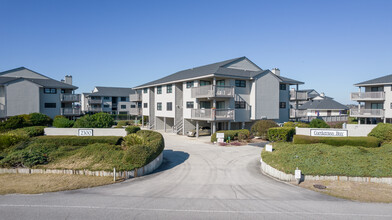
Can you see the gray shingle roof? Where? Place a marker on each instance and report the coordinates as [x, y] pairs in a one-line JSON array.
[[380, 80], [112, 91], [42, 82], [216, 69], [325, 104]]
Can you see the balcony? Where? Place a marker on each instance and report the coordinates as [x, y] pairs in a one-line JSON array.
[[368, 113], [213, 114], [135, 111], [70, 111], [95, 101], [295, 113], [70, 97], [211, 91], [368, 96], [94, 109], [298, 95], [135, 97]]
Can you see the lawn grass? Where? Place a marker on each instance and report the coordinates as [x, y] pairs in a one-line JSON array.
[[322, 159], [39, 183]]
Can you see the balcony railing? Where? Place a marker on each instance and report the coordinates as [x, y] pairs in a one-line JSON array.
[[135, 111], [298, 95], [70, 97], [94, 109], [213, 114], [371, 113], [295, 113], [95, 101], [70, 111], [135, 97], [357, 96], [212, 91]]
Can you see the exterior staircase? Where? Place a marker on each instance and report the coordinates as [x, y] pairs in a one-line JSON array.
[[178, 127]]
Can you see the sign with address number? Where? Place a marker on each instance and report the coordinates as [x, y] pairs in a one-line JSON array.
[[85, 132]]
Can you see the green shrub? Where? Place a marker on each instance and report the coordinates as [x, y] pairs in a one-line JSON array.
[[133, 139], [7, 140], [121, 124], [291, 124], [29, 131], [62, 122], [86, 121], [260, 128], [382, 131], [14, 122], [78, 141], [59, 116], [352, 120], [281, 134], [38, 119], [132, 129], [102, 120], [318, 123], [240, 135], [337, 124], [369, 142]]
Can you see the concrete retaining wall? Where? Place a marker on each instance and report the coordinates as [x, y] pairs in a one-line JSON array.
[[96, 131], [354, 130], [267, 169], [149, 168]]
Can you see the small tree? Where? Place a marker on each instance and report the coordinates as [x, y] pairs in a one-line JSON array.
[[38, 119], [103, 120], [318, 123], [86, 121], [260, 128]]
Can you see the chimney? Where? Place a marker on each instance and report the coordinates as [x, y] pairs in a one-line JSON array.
[[322, 94], [68, 79], [276, 71]]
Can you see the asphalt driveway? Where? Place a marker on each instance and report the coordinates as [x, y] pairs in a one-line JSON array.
[[197, 180]]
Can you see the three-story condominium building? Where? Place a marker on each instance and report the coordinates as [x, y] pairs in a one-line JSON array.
[[224, 95], [113, 100], [23, 91], [374, 101]]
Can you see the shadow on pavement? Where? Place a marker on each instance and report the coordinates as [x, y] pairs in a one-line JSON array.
[[261, 144], [172, 159]]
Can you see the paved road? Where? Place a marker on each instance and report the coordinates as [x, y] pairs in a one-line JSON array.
[[196, 181]]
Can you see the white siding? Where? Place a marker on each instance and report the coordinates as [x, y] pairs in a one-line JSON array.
[[22, 98], [267, 97]]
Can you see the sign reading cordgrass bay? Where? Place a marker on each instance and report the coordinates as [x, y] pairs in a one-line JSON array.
[[85, 132], [328, 133]]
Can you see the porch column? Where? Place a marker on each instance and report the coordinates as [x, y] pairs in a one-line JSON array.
[[229, 125], [296, 102], [164, 124], [197, 129], [213, 127], [243, 125], [142, 121]]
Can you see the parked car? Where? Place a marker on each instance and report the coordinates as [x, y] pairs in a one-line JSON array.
[[203, 131]]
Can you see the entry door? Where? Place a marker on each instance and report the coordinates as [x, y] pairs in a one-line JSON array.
[[329, 112]]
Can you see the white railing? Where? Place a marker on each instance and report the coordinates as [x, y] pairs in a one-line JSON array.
[[295, 95], [94, 109], [70, 97], [212, 91], [213, 114], [135, 97], [367, 96], [295, 113], [135, 111], [70, 111], [95, 101], [367, 112]]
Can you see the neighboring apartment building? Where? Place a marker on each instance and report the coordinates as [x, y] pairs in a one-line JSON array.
[[113, 100], [302, 96], [23, 91], [374, 101], [224, 95]]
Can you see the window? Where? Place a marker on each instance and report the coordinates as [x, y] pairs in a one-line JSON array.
[[205, 104], [377, 106], [282, 86], [169, 106], [240, 104], [240, 83], [190, 84], [145, 90], [159, 90], [376, 89], [50, 91], [190, 104], [133, 106], [145, 105], [50, 105], [106, 106], [159, 106], [282, 104], [220, 82], [123, 99], [106, 98], [204, 83], [169, 88], [62, 91], [220, 104], [123, 113], [391, 105], [123, 106]]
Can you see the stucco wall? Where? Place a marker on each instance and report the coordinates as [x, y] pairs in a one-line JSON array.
[[96, 131], [354, 130]]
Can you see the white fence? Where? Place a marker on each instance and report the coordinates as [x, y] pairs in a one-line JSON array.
[[354, 130], [96, 131]]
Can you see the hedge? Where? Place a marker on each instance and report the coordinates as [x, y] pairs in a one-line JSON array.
[[369, 142], [62, 122], [132, 129], [281, 134], [318, 123], [98, 120], [260, 128], [15, 136], [291, 124], [78, 141], [382, 131], [240, 135]]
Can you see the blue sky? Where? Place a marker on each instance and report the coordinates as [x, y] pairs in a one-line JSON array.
[[330, 45]]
